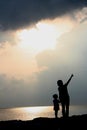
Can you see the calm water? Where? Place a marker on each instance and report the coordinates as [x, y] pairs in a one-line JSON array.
[[29, 113]]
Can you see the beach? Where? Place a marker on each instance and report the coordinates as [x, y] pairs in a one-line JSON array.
[[72, 122]]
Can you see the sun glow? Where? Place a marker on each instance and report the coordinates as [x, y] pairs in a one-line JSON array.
[[35, 109], [37, 39]]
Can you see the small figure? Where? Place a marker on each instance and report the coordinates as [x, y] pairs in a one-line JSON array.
[[64, 96], [56, 104]]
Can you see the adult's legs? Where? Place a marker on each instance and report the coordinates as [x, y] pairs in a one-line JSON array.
[[67, 110], [63, 109], [67, 107]]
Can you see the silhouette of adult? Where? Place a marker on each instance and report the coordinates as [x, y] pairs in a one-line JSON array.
[[64, 96]]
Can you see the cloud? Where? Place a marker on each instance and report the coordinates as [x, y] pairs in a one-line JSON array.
[[7, 37], [68, 57], [14, 92], [17, 63], [21, 13]]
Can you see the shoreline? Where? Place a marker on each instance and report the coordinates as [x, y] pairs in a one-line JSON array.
[[72, 122]]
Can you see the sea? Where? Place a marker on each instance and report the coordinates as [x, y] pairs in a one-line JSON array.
[[30, 113]]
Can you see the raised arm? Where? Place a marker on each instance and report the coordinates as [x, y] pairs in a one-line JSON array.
[[69, 79]]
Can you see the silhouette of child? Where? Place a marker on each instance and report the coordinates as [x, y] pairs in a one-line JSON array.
[[55, 104], [64, 96]]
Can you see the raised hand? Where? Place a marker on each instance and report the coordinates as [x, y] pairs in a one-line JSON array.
[[72, 75]]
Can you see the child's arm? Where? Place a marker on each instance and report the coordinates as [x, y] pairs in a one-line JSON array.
[[69, 79]]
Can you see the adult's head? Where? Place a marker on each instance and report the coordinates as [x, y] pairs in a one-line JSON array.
[[60, 83]]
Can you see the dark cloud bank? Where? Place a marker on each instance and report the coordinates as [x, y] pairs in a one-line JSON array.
[[20, 13]]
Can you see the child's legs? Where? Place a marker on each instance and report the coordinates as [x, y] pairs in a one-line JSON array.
[[56, 113]]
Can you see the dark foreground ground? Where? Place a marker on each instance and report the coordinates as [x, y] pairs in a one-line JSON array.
[[75, 122]]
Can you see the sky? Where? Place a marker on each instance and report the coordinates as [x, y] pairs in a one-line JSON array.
[[42, 41]]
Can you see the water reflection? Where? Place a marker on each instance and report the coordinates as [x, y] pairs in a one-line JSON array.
[[29, 113]]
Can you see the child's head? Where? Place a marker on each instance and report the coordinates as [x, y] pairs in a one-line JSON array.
[[55, 96], [59, 82]]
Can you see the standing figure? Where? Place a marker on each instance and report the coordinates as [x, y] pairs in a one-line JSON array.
[[64, 96], [55, 104]]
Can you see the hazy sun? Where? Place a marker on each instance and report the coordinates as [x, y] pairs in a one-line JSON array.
[[40, 38]]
